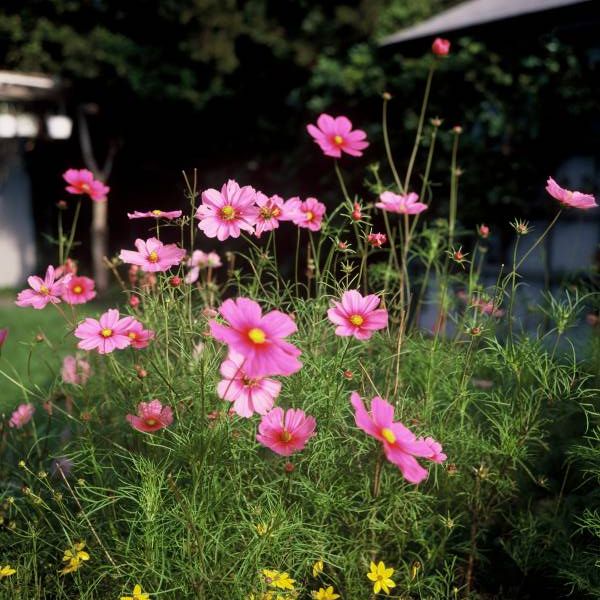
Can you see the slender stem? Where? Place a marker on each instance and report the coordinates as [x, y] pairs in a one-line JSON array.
[[539, 240], [73, 229], [388, 149], [453, 193]]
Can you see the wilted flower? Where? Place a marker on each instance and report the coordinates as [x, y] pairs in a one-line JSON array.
[[318, 568], [334, 135], [377, 239]]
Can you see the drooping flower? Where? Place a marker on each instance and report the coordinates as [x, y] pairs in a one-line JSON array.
[[278, 579], [334, 135], [137, 594], [249, 394], [21, 416], [81, 181], [377, 239], [226, 213], [357, 315], [201, 260], [258, 338], [152, 255], [75, 371], [43, 291], [325, 594], [270, 213], [155, 214], [308, 214], [381, 577], [399, 443], [105, 334], [407, 204], [139, 336], [151, 417], [569, 198], [285, 432], [79, 290], [74, 557], [6, 571], [440, 47]]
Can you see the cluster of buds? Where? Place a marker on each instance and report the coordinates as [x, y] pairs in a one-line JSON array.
[[356, 214]]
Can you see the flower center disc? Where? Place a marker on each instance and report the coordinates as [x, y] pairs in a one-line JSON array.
[[228, 212], [285, 436], [388, 435], [356, 320], [338, 140], [309, 215], [132, 335], [151, 422], [77, 289], [106, 332], [157, 213], [44, 290], [153, 257], [257, 335]]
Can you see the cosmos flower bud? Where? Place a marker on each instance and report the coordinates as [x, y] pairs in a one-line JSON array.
[[440, 47]]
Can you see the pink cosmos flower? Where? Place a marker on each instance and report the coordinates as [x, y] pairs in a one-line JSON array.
[[377, 239], [152, 255], [308, 214], [155, 214], [75, 370], [78, 290], [440, 47], [259, 339], [486, 307], [357, 315], [139, 336], [249, 394], [569, 198], [151, 417], [437, 456], [43, 291], [285, 432], [224, 214], [407, 204], [201, 260], [106, 334], [21, 416], [81, 181], [399, 443], [335, 135], [270, 212]]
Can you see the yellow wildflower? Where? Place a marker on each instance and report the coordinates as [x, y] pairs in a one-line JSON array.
[[137, 594], [325, 594], [381, 577], [278, 580], [7, 571], [318, 568], [261, 528], [74, 557]]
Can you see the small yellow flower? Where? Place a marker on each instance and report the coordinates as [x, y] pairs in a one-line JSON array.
[[325, 594], [261, 528], [137, 594], [74, 557], [381, 577], [318, 568], [278, 580], [7, 571]]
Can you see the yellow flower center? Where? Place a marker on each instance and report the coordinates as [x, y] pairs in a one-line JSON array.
[[257, 335], [157, 212], [85, 187], [356, 320], [77, 289], [309, 215], [338, 140], [228, 213], [285, 436], [388, 435], [44, 290], [151, 422], [106, 332], [153, 257], [132, 335]]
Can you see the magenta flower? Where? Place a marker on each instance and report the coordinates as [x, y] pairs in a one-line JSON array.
[[440, 47], [399, 443], [226, 213], [75, 371], [569, 198], [151, 417], [259, 339], [249, 394], [377, 239], [81, 181], [155, 214], [407, 204], [139, 336], [106, 334], [270, 212], [3, 336], [21, 416], [285, 433], [152, 255], [335, 135], [43, 291], [357, 315], [308, 214], [79, 290]]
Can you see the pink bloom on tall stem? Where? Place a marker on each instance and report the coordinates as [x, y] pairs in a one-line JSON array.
[[152, 255], [151, 417], [139, 336], [106, 334], [400, 445], [249, 394], [226, 213], [377, 239], [569, 198], [75, 371], [407, 204], [79, 290], [21, 416], [285, 432], [334, 135], [155, 214], [357, 315], [258, 338], [43, 291], [308, 214], [81, 181], [270, 212], [440, 47]]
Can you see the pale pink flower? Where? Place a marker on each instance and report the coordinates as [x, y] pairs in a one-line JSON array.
[[81, 181], [270, 212], [155, 214], [440, 47], [139, 336], [226, 213], [201, 260], [75, 370], [151, 417], [437, 456], [21, 416], [357, 315], [249, 394], [569, 198], [259, 339], [406, 204], [308, 214], [43, 291], [79, 290], [334, 135], [152, 255], [285, 432], [106, 334], [377, 239]]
